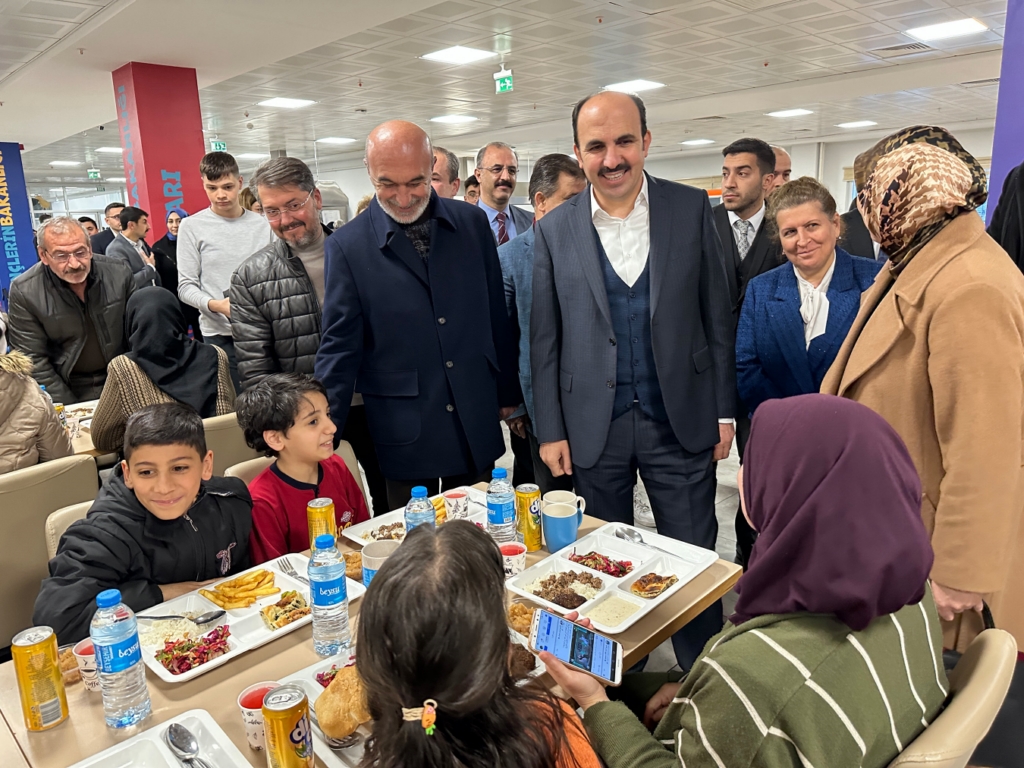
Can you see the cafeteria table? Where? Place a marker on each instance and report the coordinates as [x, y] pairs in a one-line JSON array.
[[84, 733]]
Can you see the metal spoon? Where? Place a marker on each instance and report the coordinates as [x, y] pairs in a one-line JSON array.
[[183, 744], [203, 618], [635, 537]]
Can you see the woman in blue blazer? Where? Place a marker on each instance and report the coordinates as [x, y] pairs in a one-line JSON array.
[[795, 317]]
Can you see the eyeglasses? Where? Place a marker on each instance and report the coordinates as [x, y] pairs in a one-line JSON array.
[[62, 257], [272, 214], [497, 169]]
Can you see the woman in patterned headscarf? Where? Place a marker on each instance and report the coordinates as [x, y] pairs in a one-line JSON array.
[[938, 350]]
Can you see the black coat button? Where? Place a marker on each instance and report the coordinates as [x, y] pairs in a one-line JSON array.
[[449, 364], [441, 321], [449, 408]]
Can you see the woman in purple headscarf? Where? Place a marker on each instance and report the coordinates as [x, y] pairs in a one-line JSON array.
[[833, 656], [166, 250]]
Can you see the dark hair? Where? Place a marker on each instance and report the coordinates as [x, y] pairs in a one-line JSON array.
[[547, 172], [283, 172], [130, 214], [471, 181], [110, 207], [273, 404], [87, 219], [217, 165], [582, 102], [806, 189], [432, 626], [762, 150], [452, 161], [164, 424]]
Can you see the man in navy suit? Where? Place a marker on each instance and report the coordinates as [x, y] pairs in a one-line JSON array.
[[632, 339], [415, 311]]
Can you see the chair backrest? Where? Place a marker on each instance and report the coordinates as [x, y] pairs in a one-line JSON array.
[[248, 470], [27, 497], [978, 686], [227, 441], [59, 521]]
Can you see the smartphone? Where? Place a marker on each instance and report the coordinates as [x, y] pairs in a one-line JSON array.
[[577, 646]]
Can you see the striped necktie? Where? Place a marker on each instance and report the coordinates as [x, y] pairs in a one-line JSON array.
[[502, 233]]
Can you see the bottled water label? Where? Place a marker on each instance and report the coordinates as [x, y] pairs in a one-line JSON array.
[[328, 593], [501, 512], [119, 656]]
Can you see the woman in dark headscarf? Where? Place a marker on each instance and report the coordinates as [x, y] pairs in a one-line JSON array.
[[166, 252], [938, 350], [164, 365], [833, 657]]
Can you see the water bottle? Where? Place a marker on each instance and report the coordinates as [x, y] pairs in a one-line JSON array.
[[329, 593], [46, 394], [501, 507], [419, 510], [115, 639]]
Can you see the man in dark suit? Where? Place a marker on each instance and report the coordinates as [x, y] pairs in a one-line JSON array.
[[856, 240], [130, 247], [100, 242], [497, 167], [632, 340], [414, 309], [748, 175]]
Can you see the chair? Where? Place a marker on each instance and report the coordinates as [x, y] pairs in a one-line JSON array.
[[227, 441], [978, 686], [248, 470], [27, 497], [59, 521]]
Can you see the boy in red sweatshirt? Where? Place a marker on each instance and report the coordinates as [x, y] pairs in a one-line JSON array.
[[286, 416]]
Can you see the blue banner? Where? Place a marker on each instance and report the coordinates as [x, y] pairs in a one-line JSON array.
[[18, 254]]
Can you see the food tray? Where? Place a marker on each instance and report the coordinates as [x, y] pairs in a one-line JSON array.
[[248, 631], [685, 563], [148, 749], [357, 533]]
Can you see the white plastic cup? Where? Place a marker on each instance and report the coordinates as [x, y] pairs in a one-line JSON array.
[[456, 503], [253, 718], [514, 556], [85, 655]]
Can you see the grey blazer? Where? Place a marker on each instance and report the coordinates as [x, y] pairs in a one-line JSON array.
[[143, 274], [572, 343]]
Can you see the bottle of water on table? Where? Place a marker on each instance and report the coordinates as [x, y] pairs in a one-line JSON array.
[[501, 507], [115, 639], [419, 510], [329, 593]]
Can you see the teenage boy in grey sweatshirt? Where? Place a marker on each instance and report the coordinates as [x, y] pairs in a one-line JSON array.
[[211, 245]]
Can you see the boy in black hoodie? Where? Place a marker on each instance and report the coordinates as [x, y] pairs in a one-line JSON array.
[[160, 527]]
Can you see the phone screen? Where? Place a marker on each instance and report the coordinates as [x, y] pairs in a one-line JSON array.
[[581, 647]]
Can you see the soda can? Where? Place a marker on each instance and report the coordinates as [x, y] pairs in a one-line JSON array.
[[440, 511], [528, 515], [43, 701], [286, 725], [320, 516], [61, 416]]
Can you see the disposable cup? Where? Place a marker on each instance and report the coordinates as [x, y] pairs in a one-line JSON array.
[[86, 658], [514, 555], [456, 503], [252, 716], [374, 555]]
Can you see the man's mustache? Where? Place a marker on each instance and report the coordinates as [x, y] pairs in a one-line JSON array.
[[503, 184], [620, 167]]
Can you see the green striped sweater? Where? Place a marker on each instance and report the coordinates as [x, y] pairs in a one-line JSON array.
[[798, 690]]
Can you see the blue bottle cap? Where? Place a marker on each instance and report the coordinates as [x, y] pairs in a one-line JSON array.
[[324, 541], [419, 492], [108, 598], [499, 472]]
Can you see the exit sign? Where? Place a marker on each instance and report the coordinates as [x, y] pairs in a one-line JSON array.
[[93, 173], [218, 146], [503, 81]]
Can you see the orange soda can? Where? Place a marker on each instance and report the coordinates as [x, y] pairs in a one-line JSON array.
[[321, 520], [286, 725]]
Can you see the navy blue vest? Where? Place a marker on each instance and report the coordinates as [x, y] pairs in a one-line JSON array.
[[636, 377]]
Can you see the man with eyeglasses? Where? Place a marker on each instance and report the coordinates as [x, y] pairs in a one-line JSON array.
[[414, 319], [497, 167], [277, 295], [67, 312], [211, 246], [112, 216]]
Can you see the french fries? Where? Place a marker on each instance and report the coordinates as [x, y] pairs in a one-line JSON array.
[[242, 591]]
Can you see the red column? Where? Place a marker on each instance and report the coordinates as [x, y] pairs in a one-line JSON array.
[[161, 131]]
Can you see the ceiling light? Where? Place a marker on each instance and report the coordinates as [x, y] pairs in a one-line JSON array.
[[116, 179], [64, 162], [458, 55], [697, 142], [857, 124], [286, 103], [634, 86], [947, 30], [111, 150], [58, 191], [335, 140], [453, 119], [790, 113], [251, 156]]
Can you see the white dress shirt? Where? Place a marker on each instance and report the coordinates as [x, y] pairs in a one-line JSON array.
[[814, 303], [755, 221], [626, 241]]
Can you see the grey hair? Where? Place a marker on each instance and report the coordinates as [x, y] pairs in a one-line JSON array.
[[547, 172], [283, 172], [452, 162], [494, 144], [60, 225]]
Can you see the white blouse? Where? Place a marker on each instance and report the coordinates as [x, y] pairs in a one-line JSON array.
[[814, 303]]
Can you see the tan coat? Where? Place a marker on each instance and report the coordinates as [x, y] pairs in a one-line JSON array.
[[30, 430], [940, 354]]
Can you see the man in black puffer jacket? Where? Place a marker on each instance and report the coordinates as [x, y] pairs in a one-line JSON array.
[[277, 295]]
